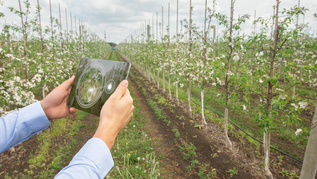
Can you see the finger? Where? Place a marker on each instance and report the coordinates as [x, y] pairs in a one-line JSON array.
[[72, 110], [127, 95], [68, 83], [121, 89], [68, 91]]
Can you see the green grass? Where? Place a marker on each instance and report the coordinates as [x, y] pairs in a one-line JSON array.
[[65, 128], [134, 153], [45, 144]]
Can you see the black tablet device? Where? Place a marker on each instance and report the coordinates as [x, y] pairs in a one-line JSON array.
[[95, 81]]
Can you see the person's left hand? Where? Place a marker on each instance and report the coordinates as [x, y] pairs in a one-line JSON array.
[[55, 103]]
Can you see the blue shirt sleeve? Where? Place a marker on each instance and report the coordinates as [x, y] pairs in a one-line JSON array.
[[94, 160], [20, 125]]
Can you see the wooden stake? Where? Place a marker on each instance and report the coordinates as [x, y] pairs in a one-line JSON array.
[[71, 23], [75, 27], [66, 27], [39, 9], [162, 25], [189, 58], [254, 31], [203, 69], [177, 41], [153, 27], [297, 15], [169, 54], [24, 36], [156, 27], [52, 35], [60, 25]]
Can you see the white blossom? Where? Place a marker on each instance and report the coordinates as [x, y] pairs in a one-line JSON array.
[[295, 106], [298, 131], [302, 105], [236, 58]]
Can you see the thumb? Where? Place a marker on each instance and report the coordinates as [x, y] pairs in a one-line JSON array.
[[68, 83], [72, 110], [121, 89]]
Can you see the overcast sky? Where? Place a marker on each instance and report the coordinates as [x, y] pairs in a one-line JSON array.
[[119, 18]]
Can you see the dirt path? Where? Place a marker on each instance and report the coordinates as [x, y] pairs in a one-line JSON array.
[[157, 135]]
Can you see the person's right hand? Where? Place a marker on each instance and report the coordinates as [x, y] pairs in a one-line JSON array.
[[115, 114]]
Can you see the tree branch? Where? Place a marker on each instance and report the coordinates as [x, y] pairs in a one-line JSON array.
[[278, 49]]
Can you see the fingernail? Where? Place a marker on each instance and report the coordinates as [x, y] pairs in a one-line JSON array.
[[124, 83]]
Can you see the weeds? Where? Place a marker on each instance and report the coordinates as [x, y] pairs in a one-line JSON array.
[[175, 130], [189, 151], [233, 171]]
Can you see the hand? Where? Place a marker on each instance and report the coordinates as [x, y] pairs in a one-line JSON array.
[[55, 103], [115, 114]]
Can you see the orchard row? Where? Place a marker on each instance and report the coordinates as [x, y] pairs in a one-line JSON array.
[[270, 75]]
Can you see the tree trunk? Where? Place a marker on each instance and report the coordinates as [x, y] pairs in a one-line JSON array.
[[148, 73], [309, 167], [177, 94], [294, 92], [268, 107], [43, 91], [26, 71], [266, 142], [163, 80], [158, 79], [169, 86], [228, 142], [227, 82], [9, 40], [188, 99], [202, 106]]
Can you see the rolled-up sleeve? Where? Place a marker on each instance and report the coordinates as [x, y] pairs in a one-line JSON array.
[[94, 160], [19, 126]]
